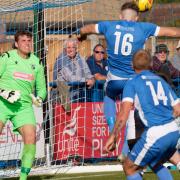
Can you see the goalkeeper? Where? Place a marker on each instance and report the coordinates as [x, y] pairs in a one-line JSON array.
[[21, 74]]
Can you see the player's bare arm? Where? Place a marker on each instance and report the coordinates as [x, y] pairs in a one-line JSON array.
[[169, 31], [120, 123], [86, 30]]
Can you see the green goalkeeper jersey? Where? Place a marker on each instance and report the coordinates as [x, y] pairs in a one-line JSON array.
[[25, 75]]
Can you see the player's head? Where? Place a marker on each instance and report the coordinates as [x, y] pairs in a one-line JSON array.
[[23, 42], [142, 60], [70, 47], [98, 52], [129, 11], [162, 52]]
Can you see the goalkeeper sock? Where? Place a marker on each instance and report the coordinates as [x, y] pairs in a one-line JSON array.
[[27, 159], [110, 122], [109, 112], [125, 148]]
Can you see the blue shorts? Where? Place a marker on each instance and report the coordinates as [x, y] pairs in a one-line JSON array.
[[156, 144], [115, 88]]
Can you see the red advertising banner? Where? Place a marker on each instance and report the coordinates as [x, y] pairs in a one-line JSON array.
[[82, 132]]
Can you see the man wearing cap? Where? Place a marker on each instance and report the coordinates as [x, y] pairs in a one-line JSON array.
[[162, 64], [176, 59]]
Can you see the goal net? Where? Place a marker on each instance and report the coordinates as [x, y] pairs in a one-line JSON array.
[[64, 139]]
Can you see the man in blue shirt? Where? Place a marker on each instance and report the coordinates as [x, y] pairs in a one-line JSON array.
[[97, 63], [98, 67], [158, 107], [124, 38]]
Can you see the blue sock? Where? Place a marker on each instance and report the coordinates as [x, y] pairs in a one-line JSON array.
[[163, 173], [125, 148], [110, 112], [110, 122], [135, 176]]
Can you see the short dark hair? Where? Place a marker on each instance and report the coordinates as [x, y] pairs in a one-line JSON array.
[[22, 33], [130, 5], [142, 60], [161, 47], [97, 45]]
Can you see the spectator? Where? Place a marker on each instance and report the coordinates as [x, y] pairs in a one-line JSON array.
[[98, 66], [70, 67], [161, 63], [176, 59], [97, 63]]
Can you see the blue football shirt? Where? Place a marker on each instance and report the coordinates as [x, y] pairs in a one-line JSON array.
[[152, 96], [123, 39]]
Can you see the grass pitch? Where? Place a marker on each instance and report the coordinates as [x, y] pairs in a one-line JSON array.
[[96, 176]]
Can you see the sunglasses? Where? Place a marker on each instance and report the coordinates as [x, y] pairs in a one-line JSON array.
[[160, 52], [99, 52]]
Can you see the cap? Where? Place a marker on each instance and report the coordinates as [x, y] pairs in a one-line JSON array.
[[178, 46], [161, 47]]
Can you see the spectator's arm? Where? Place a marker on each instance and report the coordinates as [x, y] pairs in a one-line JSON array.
[[90, 82], [174, 72], [99, 76]]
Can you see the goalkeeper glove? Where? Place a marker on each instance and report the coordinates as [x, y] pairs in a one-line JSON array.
[[37, 101], [10, 96]]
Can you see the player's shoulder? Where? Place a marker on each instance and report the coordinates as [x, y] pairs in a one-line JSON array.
[[7, 54]]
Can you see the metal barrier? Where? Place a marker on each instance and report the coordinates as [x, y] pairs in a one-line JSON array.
[[96, 94], [80, 92]]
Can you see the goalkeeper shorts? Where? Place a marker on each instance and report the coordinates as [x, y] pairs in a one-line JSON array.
[[17, 113]]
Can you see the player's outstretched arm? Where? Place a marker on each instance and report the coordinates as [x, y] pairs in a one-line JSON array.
[[169, 31], [86, 30], [120, 123]]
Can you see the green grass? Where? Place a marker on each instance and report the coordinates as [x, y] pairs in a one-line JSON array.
[[96, 176]]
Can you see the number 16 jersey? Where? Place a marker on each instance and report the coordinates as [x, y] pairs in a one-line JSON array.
[[123, 39]]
